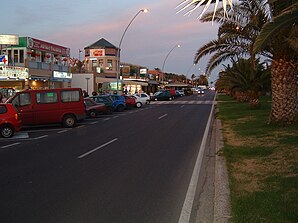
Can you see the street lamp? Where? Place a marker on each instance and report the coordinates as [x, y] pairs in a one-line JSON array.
[[163, 65], [118, 51]]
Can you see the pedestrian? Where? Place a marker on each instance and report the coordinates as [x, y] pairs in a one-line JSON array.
[[85, 94]]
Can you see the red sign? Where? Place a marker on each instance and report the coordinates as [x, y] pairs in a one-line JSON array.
[[97, 52], [48, 47]]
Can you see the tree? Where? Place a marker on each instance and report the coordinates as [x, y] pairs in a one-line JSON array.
[[247, 82], [280, 35], [236, 34], [193, 76]]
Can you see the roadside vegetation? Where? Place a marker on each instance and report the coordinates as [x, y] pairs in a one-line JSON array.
[[262, 162]]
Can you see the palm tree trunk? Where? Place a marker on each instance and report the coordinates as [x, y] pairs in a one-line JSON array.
[[284, 92]]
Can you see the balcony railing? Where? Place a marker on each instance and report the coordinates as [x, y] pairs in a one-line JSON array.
[[47, 66]]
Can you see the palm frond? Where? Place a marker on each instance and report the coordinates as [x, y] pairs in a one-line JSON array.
[[193, 5], [285, 19]]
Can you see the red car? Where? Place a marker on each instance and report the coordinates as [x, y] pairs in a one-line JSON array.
[[93, 109], [9, 120], [130, 101]]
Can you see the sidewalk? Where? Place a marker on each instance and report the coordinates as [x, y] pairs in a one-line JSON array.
[[222, 210], [213, 196]]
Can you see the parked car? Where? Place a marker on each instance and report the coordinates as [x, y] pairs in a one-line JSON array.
[[119, 102], [142, 98], [9, 120], [61, 105], [178, 94], [130, 101], [181, 92], [105, 99], [93, 109], [162, 96]]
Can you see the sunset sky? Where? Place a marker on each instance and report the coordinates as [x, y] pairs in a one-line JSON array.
[[77, 24]]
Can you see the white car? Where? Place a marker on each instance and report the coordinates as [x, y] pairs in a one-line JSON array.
[[141, 98]]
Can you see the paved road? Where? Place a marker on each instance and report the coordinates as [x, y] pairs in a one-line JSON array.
[[133, 166]]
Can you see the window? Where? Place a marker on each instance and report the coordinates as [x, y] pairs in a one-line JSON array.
[[21, 56], [101, 63], [94, 63], [22, 100], [15, 56], [110, 64], [88, 103], [70, 96], [3, 109], [46, 97]]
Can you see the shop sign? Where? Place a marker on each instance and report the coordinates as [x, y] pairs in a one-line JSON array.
[[9, 39], [57, 74], [14, 72], [3, 60], [49, 47], [97, 52], [143, 71]]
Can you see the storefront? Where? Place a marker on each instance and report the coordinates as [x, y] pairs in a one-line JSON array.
[[41, 60], [132, 86]]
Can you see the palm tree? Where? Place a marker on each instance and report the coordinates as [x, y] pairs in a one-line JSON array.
[[247, 82], [236, 34], [280, 35], [193, 76]]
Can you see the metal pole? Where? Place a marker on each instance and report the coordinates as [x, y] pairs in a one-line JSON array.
[[163, 65], [118, 50]]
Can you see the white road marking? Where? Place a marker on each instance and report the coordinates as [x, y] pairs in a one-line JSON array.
[[97, 148], [62, 131], [191, 191], [181, 106], [92, 123], [81, 126], [162, 116], [10, 145], [106, 119], [41, 137]]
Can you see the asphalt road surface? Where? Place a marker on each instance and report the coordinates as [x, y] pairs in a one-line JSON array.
[[133, 166]]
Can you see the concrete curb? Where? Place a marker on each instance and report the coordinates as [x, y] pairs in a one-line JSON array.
[[222, 209]]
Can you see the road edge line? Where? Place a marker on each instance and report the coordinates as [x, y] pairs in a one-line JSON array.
[[191, 191]]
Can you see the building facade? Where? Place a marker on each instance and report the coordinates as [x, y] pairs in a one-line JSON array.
[[34, 64]]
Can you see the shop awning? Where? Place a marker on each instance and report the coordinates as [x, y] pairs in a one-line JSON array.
[[104, 79], [128, 82]]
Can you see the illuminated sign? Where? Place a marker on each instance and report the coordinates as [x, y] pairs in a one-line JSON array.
[[9, 39], [45, 46], [97, 52], [14, 72], [143, 71], [57, 74], [3, 60]]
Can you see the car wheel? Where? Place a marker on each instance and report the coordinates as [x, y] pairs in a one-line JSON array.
[[147, 102], [155, 99], [69, 121], [110, 110], [7, 131], [138, 104], [170, 98], [92, 114], [120, 108]]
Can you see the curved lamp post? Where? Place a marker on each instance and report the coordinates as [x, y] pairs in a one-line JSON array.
[[118, 50], [163, 65]]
